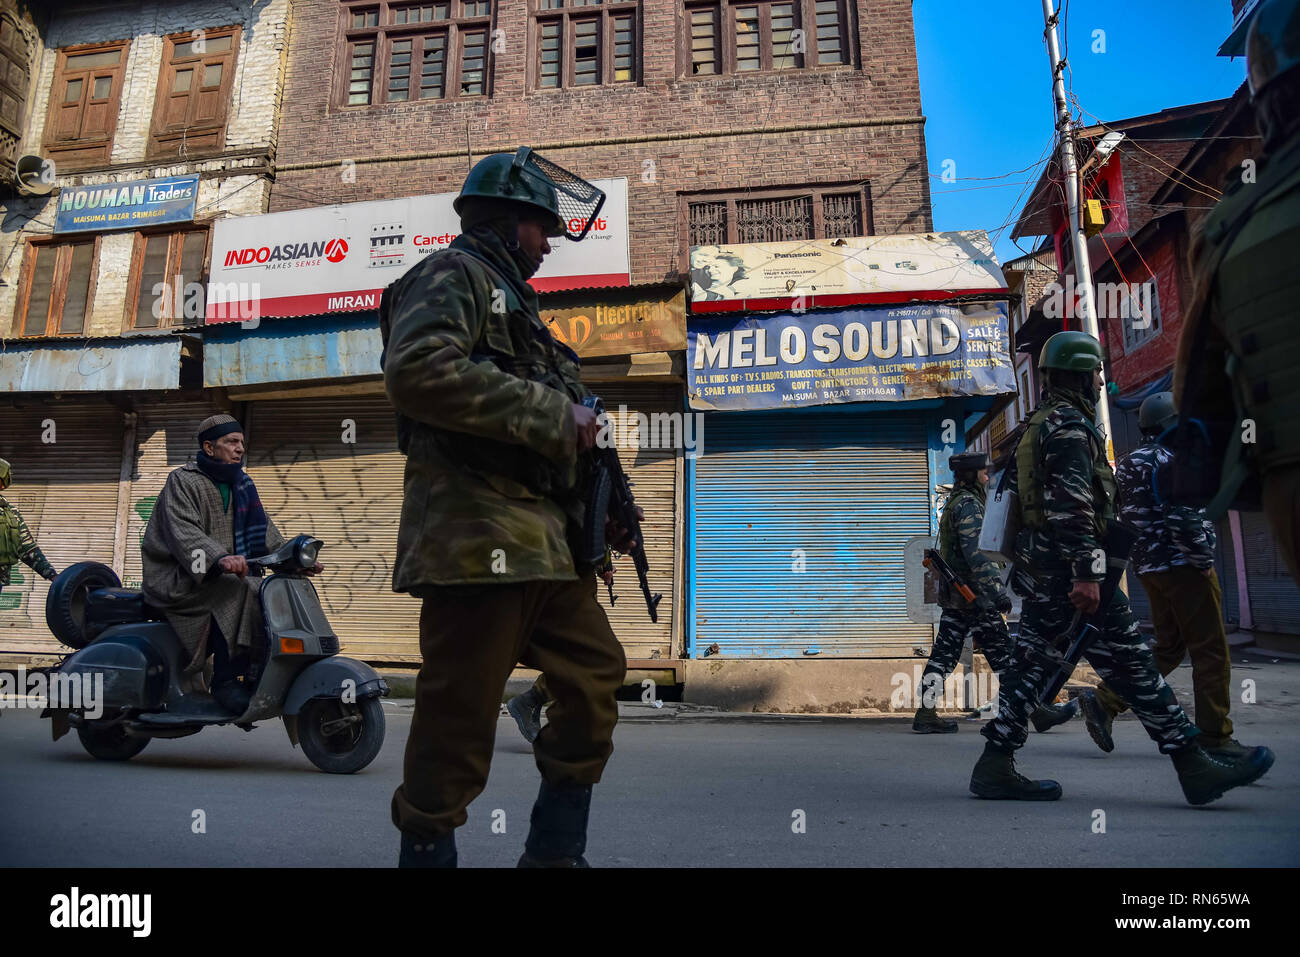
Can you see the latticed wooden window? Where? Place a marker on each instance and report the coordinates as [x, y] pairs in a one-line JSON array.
[[774, 220], [399, 52], [747, 216], [749, 36], [585, 43], [57, 288]]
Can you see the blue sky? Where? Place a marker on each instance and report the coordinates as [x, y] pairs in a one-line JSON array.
[[986, 86]]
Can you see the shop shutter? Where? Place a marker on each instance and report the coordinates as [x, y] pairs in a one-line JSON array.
[[1225, 564], [840, 490], [164, 441], [653, 474], [1274, 597], [349, 495], [67, 492]]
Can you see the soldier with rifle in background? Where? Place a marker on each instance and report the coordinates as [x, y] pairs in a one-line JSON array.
[[1066, 492], [971, 596]]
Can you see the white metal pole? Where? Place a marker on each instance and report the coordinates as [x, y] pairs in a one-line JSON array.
[[1070, 168]]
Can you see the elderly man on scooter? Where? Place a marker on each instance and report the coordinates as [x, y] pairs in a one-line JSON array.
[[207, 522]]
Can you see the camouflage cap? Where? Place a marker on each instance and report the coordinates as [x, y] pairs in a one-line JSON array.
[[968, 461]]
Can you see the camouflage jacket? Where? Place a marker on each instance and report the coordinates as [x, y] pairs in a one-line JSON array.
[[1169, 534], [959, 533], [1067, 546], [483, 393], [22, 543]]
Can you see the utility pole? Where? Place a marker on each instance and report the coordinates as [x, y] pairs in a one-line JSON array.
[[1082, 265]]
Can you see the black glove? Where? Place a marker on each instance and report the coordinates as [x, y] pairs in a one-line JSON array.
[[1003, 604]]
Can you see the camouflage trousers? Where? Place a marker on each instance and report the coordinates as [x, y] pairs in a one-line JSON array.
[[1119, 655], [988, 634]]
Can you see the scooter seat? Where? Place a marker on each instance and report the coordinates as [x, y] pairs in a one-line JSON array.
[[115, 606]]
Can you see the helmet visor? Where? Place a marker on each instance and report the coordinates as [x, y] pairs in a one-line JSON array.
[[578, 201]]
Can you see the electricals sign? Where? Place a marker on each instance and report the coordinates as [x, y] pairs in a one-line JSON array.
[[130, 205], [865, 354], [333, 259]]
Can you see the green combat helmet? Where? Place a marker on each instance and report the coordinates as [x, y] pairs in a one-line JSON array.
[[1070, 352], [1273, 43], [526, 178], [1157, 413], [6, 475]]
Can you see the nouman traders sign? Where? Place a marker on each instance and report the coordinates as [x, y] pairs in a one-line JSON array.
[[130, 205], [864, 354]]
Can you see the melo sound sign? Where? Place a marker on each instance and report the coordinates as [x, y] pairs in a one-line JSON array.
[[336, 259]]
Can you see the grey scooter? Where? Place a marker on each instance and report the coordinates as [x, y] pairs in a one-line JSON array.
[[330, 705]]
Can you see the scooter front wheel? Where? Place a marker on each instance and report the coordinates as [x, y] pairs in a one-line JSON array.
[[341, 737], [110, 743]]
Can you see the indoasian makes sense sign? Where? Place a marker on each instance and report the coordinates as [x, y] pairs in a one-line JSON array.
[[906, 267], [866, 354], [333, 259], [130, 205]]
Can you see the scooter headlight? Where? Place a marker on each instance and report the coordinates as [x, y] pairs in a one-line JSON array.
[[307, 551]]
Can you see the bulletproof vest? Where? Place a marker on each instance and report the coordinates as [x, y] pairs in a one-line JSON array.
[[1030, 468], [1257, 293], [11, 538], [949, 548], [522, 346]]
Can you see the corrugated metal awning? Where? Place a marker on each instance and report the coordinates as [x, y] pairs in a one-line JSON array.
[[91, 365], [292, 351]]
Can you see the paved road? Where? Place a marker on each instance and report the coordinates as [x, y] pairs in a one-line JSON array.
[[682, 789]]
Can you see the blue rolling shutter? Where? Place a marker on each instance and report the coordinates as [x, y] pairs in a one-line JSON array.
[[846, 488]]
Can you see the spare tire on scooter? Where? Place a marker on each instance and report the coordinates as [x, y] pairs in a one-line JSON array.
[[65, 605]]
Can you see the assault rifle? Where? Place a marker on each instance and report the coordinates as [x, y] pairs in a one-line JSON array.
[[934, 561], [1083, 631], [611, 498]]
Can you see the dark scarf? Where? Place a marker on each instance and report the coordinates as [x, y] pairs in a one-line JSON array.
[[487, 241], [1084, 403], [248, 514], [976, 488]]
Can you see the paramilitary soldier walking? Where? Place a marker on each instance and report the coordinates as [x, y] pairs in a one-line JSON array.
[[16, 541], [492, 426], [1174, 559], [1066, 491], [981, 620], [1246, 308]]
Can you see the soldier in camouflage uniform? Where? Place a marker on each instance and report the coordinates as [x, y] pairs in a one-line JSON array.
[[981, 621], [1174, 559], [1246, 309], [490, 419], [1066, 491], [16, 541]]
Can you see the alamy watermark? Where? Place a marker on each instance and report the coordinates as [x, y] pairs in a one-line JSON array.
[[1132, 301], [63, 690], [954, 693], [658, 430]]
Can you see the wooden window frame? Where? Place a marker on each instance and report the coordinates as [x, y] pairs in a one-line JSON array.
[[382, 35], [210, 136], [167, 321], [62, 151], [59, 290], [818, 193], [18, 54], [605, 14], [806, 18]]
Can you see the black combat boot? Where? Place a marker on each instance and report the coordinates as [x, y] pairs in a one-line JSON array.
[[1098, 719], [927, 721], [1207, 778], [526, 709], [1046, 717], [419, 852], [995, 778], [557, 835]]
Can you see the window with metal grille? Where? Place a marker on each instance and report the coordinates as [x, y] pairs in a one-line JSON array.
[[58, 284], [396, 52], [585, 43], [166, 280], [750, 36], [767, 216]]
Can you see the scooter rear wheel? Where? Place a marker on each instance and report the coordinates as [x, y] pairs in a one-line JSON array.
[[339, 737], [110, 743]]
